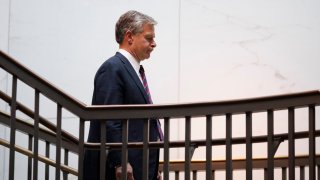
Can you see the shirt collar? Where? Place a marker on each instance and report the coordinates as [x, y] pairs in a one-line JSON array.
[[134, 63]]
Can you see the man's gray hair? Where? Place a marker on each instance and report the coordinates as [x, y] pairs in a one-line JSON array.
[[132, 21]]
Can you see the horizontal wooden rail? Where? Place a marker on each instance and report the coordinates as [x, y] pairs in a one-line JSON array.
[[170, 112], [43, 159], [198, 143], [85, 112], [44, 134], [42, 120], [239, 164]]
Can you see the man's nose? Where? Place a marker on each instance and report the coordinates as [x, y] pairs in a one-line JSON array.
[[153, 44]]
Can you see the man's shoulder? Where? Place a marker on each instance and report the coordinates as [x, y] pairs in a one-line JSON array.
[[114, 63], [117, 59]]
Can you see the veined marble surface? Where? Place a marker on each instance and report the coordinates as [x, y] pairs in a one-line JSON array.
[[208, 50]]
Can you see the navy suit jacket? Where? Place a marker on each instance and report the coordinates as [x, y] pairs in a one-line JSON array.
[[116, 82]]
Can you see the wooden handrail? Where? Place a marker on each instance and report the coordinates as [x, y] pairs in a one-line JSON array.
[[169, 111], [240, 163], [200, 142], [43, 159], [85, 112], [45, 134], [178, 165], [42, 120]]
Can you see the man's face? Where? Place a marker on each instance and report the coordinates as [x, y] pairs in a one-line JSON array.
[[143, 43]]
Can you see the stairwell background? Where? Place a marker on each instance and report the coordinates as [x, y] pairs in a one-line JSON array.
[[207, 51]]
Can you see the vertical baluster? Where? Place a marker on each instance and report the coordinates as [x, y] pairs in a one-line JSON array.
[[229, 147], [81, 148], [302, 173], [36, 135], [13, 128], [213, 174], [209, 147], [124, 150], [102, 150], [248, 146], [284, 173], [318, 167], [176, 175], [270, 168], [66, 162], [46, 174], [265, 172], [312, 143], [166, 148], [291, 142], [187, 148], [58, 143], [30, 158], [194, 175], [145, 165]]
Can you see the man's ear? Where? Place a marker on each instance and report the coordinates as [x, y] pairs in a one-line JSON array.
[[129, 37]]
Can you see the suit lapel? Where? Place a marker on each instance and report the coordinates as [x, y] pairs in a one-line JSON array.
[[133, 75]]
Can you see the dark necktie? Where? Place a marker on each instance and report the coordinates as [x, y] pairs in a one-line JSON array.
[[146, 88]]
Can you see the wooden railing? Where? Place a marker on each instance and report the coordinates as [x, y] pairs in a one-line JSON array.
[[198, 166], [57, 137]]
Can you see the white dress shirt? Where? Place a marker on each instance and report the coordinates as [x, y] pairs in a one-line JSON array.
[[134, 63]]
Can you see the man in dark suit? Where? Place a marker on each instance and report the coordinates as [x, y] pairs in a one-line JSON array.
[[118, 81]]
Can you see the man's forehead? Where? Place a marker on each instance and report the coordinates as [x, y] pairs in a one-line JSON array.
[[148, 29], [148, 26]]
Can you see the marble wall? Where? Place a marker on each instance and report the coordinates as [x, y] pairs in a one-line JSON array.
[[206, 51]]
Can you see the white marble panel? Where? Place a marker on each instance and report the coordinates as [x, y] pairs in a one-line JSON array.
[[212, 50], [4, 24], [66, 41], [241, 49], [4, 132]]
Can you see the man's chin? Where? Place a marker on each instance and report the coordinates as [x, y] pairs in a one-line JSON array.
[[146, 57]]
